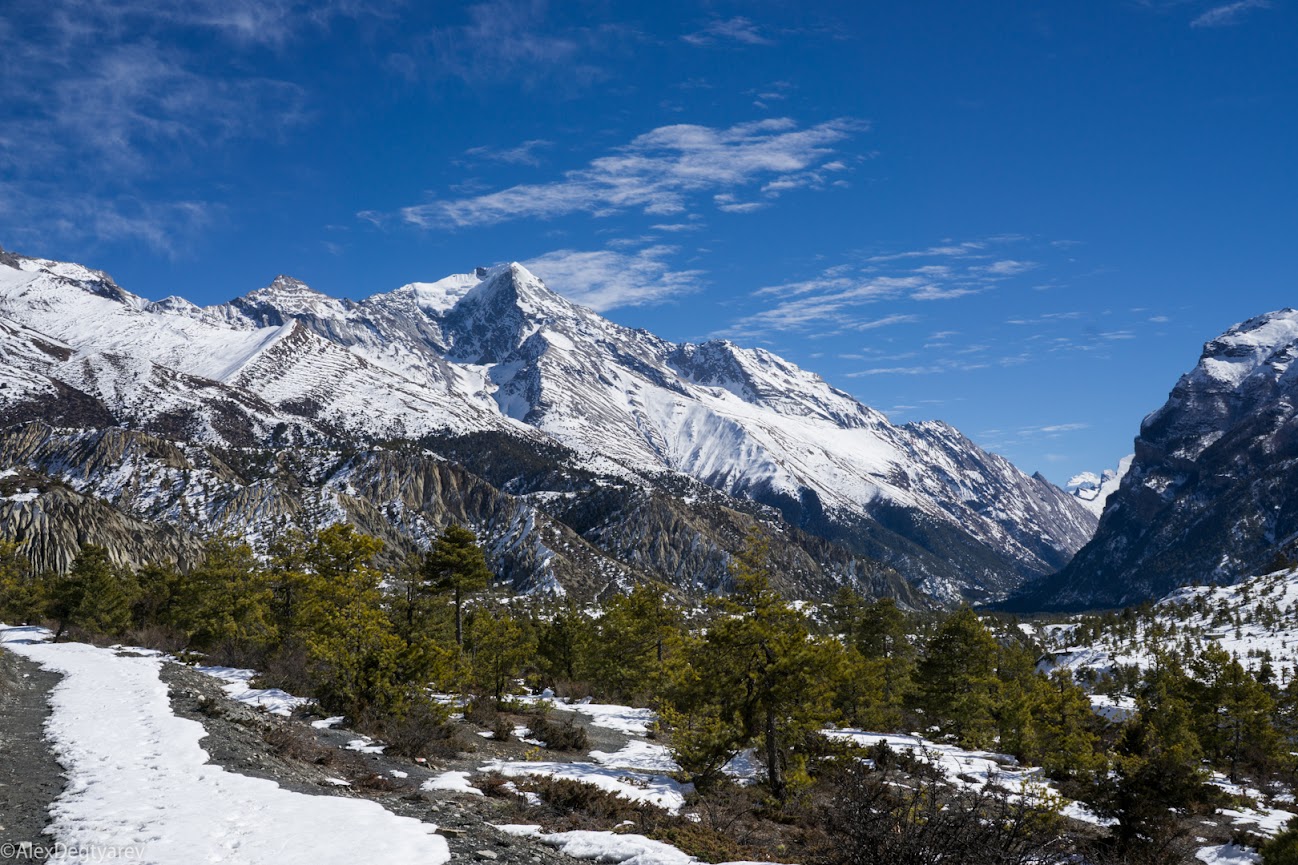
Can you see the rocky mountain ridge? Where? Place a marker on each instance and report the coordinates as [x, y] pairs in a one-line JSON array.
[[591, 411], [1209, 496]]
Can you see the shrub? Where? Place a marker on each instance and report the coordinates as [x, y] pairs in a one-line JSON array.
[[423, 730], [566, 736], [288, 741]]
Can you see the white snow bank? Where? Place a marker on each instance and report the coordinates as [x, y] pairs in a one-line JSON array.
[[637, 754], [974, 769], [623, 719], [1228, 854], [137, 778], [455, 782], [611, 847], [659, 790], [238, 687]]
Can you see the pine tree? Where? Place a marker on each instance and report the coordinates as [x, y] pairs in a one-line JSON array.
[[226, 599], [355, 657], [499, 646], [95, 595], [632, 639], [1233, 713], [755, 675], [1067, 742], [956, 681], [562, 644], [457, 565], [1157, 769], [23, 597]]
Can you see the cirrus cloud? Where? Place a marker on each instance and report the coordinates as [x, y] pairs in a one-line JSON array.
[[660, 173]]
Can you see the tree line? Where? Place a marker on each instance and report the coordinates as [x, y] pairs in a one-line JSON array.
[[747, 670]]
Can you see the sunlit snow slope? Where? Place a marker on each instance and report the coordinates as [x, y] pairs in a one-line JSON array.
[[498, 351]]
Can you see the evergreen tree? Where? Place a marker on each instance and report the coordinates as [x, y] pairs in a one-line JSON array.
[[289, 580], [1233, 713], [1067, 741], [755, 675], [956, 682], [1157, 767], [457, 565], [23, 597], [225, 600], [499, 646], [563, 641], [1283, 848], [158, 597], [632, 638], [95, 595], [355, 657]]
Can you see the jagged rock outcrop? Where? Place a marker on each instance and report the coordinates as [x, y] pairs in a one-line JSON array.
[[1212, 492]]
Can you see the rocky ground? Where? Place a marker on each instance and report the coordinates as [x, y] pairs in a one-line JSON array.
[[30, 777], [315, 760]]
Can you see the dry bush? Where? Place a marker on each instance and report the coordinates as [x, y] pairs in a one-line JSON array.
[[495, 785], [881, 818], [424, 730], [482, 712], [376, 783], [287, 741], [575, 805], [565, 736]]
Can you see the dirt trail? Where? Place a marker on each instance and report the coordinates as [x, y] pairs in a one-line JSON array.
[[30, 777]]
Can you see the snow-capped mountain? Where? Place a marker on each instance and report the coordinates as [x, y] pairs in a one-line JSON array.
[[496, 353], [1210, 493], [1093, 490]]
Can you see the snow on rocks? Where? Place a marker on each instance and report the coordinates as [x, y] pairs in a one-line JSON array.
[[623, 849], [365, 745], [238, 688], [455, 782], [138, 778], [974, 769], [666, 793]]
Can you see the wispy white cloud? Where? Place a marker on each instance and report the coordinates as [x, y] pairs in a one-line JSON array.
[[605, 279], [38, 217], [658, 173], [834, 300], [945, 250], [1228, 13], [520, 154], [516, 41], [115, 100], [885, 321], [673, 227], [738, 29]]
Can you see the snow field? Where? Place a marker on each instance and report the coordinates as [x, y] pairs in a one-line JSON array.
[[137, 777]]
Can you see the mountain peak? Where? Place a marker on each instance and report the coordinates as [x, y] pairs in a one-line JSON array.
[[1259, 345], [286, 297]]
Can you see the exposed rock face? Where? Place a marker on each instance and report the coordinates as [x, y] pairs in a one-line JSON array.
[[682, 446], [1212, 493]]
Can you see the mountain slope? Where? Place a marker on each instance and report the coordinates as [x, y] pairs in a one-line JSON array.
[[497, 353], [1210, 494]]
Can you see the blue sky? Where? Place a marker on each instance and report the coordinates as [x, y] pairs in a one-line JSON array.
[[1021, 218]]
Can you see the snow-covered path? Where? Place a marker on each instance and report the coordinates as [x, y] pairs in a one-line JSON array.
[[139, 783]]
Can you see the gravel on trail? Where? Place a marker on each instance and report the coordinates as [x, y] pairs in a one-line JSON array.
[[30, 777]]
